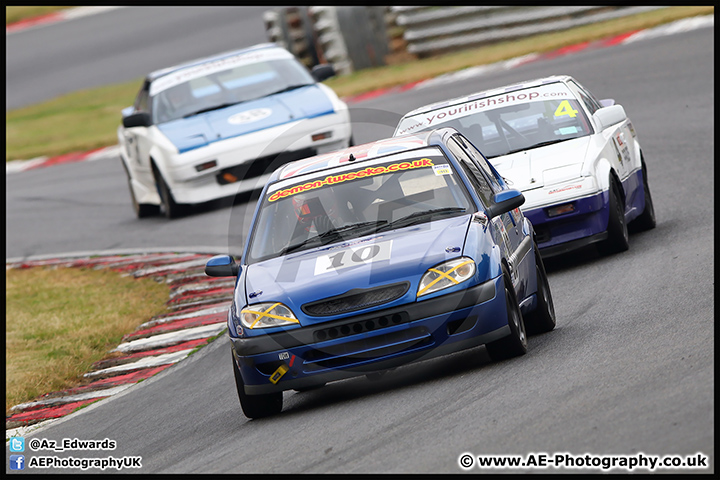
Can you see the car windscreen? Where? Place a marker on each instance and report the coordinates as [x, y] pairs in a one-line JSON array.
[[215, 88], [510, 122], [356, 200]]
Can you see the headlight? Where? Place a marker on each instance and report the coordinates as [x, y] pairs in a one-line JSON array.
[[265, 315], [446, 275]]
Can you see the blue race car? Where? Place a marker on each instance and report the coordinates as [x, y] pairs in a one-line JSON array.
[[379, 255]]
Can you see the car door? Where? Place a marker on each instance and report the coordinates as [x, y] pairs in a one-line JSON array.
[[508, 225]]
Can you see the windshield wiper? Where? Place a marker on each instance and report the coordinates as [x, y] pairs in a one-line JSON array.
[[291, 87], [351, 228], [536, 145], [210, 109], [328, 236], [421, 216]]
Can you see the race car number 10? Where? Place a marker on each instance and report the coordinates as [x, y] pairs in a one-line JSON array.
[[353, 256]]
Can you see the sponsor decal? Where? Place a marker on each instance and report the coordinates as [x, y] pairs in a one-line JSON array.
[[554, 91], [343, 177], [250, 116], [443, 169], [564, 189], [197, 71]]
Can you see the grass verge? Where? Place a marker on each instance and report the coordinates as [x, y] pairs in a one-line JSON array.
[[60, 321], [86, 120]]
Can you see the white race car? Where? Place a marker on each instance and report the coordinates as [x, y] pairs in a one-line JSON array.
[[219, 126], [576, 159]]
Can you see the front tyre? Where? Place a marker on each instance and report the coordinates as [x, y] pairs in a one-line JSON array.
[[256, 406], [514, 344], [618, 239], [646, 220], [170, 207], [542, 319], [142, 210]]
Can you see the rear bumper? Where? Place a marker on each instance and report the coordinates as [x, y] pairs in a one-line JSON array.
[[374, 341]]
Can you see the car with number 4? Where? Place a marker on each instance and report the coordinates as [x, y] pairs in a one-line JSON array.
[[576, 159], [375, 256], [218, 126]]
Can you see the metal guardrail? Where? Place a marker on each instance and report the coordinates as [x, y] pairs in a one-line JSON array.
[[434, 30], [353, 38]]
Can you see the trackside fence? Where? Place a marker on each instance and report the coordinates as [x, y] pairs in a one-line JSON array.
[[357, 37]]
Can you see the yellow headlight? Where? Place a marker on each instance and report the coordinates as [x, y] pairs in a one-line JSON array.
[[446, 274], [265, 315]]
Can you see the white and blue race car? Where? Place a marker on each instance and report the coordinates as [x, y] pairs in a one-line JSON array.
[[218, 126], [376, 256], [576, 159]]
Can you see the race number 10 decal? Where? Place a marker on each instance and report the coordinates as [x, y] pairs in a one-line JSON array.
[[353, 256]]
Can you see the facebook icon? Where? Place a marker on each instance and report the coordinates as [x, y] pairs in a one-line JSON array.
[[17, 462]]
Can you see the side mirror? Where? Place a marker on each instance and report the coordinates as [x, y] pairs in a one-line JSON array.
[[505, 201], [222, 266], [140, 119], [322, 72], [608, 116]]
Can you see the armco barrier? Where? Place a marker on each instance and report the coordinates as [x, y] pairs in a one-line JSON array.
[[353, 38], [434, 30]]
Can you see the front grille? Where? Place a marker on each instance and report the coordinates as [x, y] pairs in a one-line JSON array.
[[356, 299], [261, 166], [367, 350], [362, 326]]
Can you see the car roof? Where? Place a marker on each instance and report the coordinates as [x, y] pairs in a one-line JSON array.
[[489, 93], [361, 153], [199, 61]]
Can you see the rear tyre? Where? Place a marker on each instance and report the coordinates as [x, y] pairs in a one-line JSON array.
[[542, 319], [142, 210], [514, 344], [170, 207], [646, 220], [256, 406], [618, 239]]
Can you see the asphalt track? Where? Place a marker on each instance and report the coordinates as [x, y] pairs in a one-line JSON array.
[[628, 370]]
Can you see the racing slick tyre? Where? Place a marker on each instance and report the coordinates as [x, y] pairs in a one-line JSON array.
[[646, 220], [618, 239], [515, 344], [170, 208], [256, 406], [542, 319], [142, 210]]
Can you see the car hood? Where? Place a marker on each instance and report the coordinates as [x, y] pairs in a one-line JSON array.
[[543, 166], [247, 117], [405, 255]]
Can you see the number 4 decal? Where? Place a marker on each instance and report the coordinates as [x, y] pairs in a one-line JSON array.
[[565, 109]]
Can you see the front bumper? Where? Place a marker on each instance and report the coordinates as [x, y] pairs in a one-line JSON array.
[[585, 225], [374, 341], [244, 163]]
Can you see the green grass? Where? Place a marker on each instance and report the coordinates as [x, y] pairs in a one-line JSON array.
[[86, 120], [15, 14], [60, 321]]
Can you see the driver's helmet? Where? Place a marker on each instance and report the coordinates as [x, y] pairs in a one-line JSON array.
[[318, 211]]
